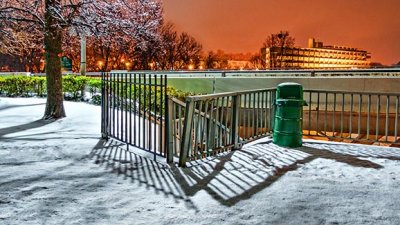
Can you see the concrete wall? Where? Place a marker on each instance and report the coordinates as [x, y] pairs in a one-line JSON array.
[[227, 84]]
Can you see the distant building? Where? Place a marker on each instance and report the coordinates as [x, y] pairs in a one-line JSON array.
[[239, 64], [316, 56]]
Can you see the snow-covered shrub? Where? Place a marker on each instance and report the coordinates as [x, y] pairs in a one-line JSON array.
[[94, 85], [96, 99]]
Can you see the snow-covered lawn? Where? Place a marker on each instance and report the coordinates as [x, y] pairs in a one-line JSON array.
[[62, 173]]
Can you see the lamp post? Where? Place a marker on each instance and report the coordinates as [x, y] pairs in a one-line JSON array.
[[83, 55]]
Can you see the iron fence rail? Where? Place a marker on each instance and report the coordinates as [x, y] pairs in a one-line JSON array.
[[355, 116], [134, 110], [137, 111], [210, 124]]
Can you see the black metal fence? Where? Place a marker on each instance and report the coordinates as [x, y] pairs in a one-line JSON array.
[[210, 124], [359, 117], [137, 111], [134, 110]]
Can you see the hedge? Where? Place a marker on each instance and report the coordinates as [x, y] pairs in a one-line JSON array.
[[75, 86]]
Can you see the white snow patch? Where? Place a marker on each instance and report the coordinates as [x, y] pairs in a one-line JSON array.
[[61, 172]]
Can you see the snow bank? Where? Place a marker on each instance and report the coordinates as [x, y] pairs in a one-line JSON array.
[[61, 173]]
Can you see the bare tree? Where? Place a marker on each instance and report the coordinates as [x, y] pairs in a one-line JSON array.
[[83, 17], [277, 43], [210, 60], [257, 61], [169, 41], [189, 51], [169, 50]]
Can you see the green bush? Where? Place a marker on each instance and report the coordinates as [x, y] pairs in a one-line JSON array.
[[75, 86], [125, 95], [13, 86]]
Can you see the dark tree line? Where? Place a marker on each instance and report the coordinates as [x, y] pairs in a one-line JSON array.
[[167, 49]]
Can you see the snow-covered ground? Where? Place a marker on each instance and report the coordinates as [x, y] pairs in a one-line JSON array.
[[62, 173]]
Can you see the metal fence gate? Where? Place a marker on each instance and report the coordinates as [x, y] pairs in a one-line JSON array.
[[134, 110]]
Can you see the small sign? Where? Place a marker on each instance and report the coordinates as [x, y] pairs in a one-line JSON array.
[[66, 63]]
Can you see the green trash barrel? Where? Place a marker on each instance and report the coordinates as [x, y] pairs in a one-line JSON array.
[[288, 126]]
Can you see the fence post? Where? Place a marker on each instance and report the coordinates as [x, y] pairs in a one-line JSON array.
[[170, 131], [187, 132], [272, 114], [104, 107], [235, 121]]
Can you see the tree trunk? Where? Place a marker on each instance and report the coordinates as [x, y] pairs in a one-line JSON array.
[[52, 45]]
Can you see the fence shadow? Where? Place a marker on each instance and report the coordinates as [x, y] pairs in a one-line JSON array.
[[231, 177], [143, 171]]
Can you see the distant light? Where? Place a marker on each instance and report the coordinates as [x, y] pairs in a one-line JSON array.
[[191, 67], [200, 67]]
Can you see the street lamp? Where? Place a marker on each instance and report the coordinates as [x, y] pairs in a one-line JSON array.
[[151, 65], [100, 64]]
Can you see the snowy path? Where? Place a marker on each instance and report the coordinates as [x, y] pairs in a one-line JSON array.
[[62, 173]]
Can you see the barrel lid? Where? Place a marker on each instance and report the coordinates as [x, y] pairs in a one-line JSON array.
[[288, 84]]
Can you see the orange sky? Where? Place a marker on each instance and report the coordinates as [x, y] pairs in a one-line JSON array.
[[242, 25]]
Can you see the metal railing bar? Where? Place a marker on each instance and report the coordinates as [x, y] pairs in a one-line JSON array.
[[378, 109], [126, 109], [139, 110], [198, 127], [309, 112], [253, 124], [352, 92], [326, 113], [248, 117], [317, 128], [359, 115], [130, 109], [221, 119], [162, 117], [368, 115], [334, 114], [396, 122], [113, 112], [155, 119], [387, 117], [342, 117], [224, 94], [351, 114], [119, 112], [261, 114], [149, 143], [134, 110], [210, 135]]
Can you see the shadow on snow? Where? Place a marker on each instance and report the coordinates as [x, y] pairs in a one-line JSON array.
[[230, 177]]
